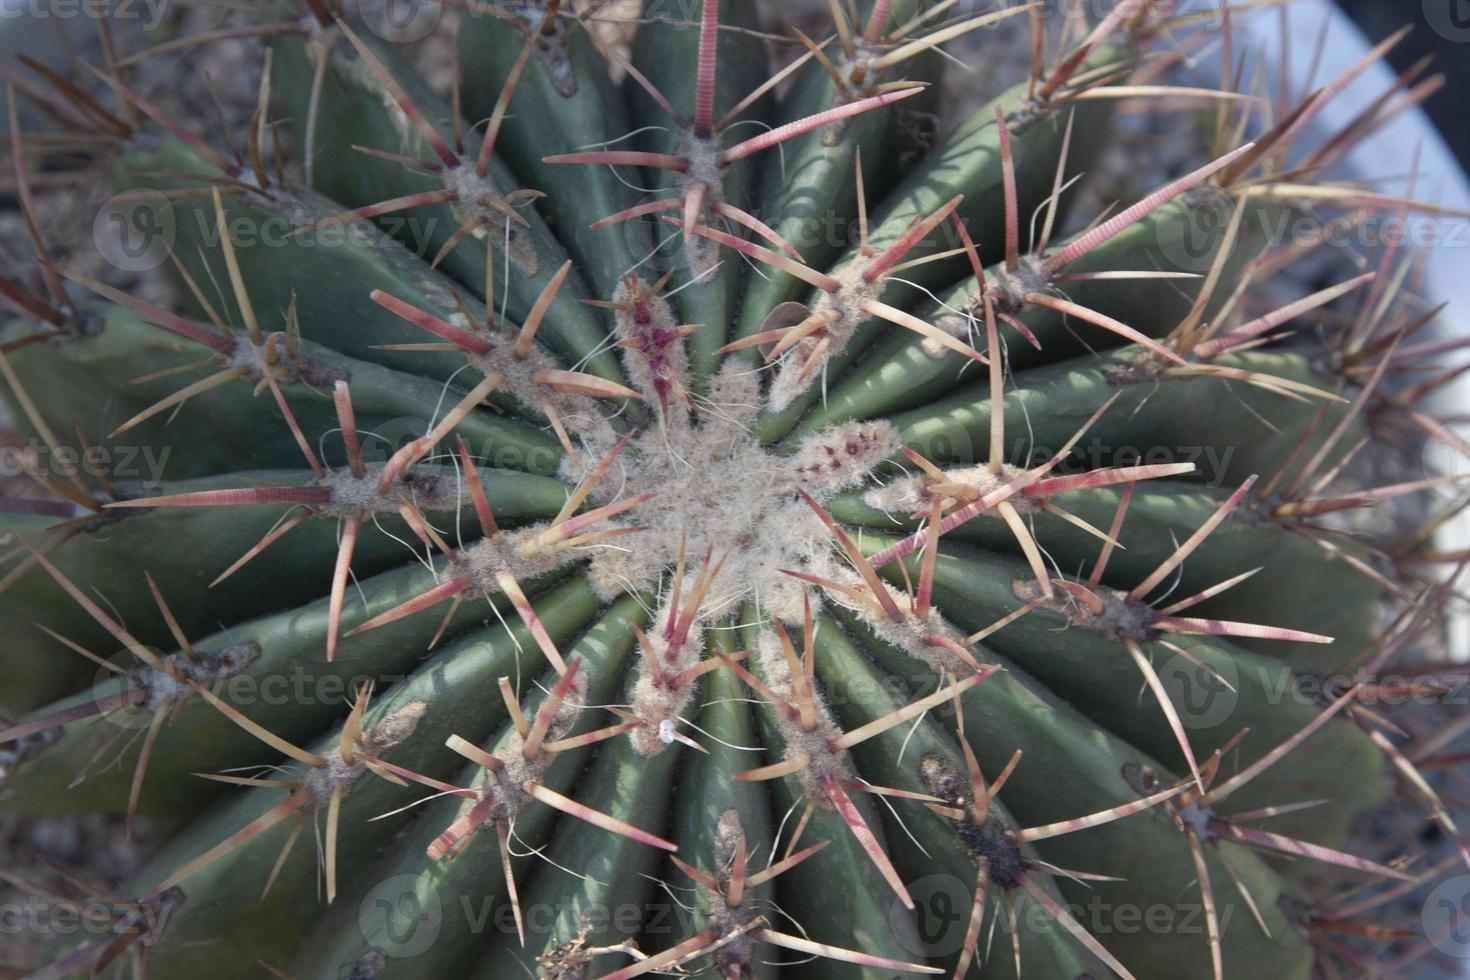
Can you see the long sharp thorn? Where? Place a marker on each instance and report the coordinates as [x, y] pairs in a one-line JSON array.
[[1222, 627], [704, 81], [232, 266], [169, 619], [817, 120], [1028, 546], [441, 149], [1069, 65], [926, 330], [811, 948], [1207, 898], [1219, 793], [638, 211], [909, 711], [699, 877], [865, 837], [1166, 705], [28, 204], [334, 824], [926, 568], [380, 208], [758, 226], [347, 421], [171, 322], [736, 893], [469, 750], [1211, 348], [175, 129], [890, 607], [597, 818], [315, 464], [549, 708], [1194, 541], [114, 628], [844, 27], [250, 831], [270, 538], [971, 942], [929, 42], [1008, 181], [91, 708], [497, 118], [627, 158], [1066, 921], [810, 276], [538, 311], [33, 415], [502, 836], [463, 339], [776, 770], [581, 383], [1289, 845], [340, 573], [785, 864], [307, 496], [447, 589], [910, 238], [184, 394], [1031, 834], [1110, 324], [527, 613], [1090, 240]]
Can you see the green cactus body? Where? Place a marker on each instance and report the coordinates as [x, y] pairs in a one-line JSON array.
[[810, 563]]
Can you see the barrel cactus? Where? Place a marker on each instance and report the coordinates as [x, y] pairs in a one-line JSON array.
[[646, 512]]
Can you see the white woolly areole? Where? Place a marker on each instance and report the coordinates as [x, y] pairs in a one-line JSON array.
[[360, 495], [843, 310], [815, 744], [719, 490], [657, 701], [910, 495]]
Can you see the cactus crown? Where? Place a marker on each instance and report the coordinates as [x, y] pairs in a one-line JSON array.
[[804, 521]]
